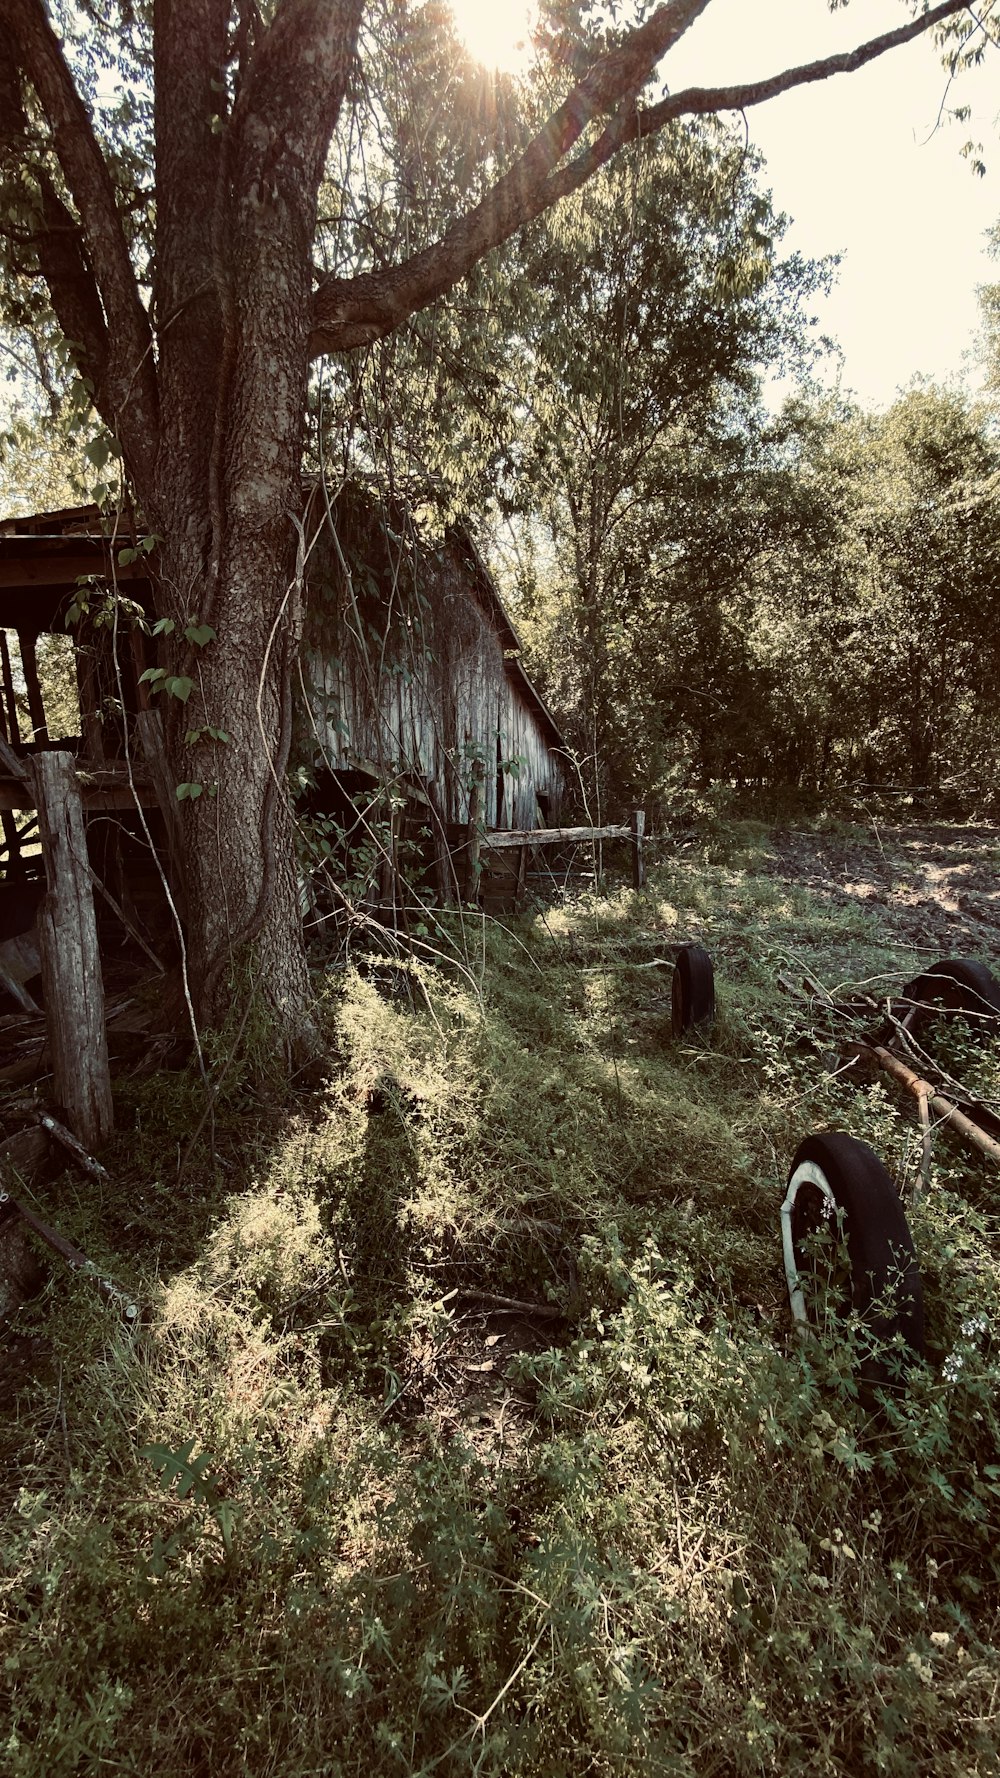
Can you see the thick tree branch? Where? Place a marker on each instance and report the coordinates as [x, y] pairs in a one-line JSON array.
[[353, 312], [53, 235], [130, 378]]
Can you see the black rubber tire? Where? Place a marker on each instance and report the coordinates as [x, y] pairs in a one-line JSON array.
[[692, 991], [958, 985], [885, 1287]]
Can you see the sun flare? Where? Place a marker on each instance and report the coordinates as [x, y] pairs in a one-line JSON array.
[[496, 32]]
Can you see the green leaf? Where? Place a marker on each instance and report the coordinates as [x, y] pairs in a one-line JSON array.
[[200, 634], [188, 792], [164, 626], [98, 450], [126, 556], [179, 686], [152, 676], [192, 1475]]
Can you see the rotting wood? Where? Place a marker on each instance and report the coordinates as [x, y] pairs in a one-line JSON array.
[[9, 759], [25, 1151], [71, 964], [942, 1108]]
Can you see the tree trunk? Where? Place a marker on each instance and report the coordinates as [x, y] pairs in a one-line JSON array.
[[240, 881]]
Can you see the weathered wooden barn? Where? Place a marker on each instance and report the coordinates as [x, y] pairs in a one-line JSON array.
[[411, 666]]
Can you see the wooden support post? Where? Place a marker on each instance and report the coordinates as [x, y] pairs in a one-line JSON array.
[[91, 727], [12, 834], [71, 964], [522, 870], [32, 683], [475, 831], [13, 730], [638, 828]]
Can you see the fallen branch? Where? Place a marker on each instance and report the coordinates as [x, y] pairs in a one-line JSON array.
[[511, 1304]]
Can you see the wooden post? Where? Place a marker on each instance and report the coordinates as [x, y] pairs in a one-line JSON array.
[[638, 826], [71, 964], [474, 831], [29, 667], [13, 730], [87, 691], [522, 872]]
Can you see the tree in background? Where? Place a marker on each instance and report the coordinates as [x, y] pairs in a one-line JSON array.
[[660, 303], [169, 235]]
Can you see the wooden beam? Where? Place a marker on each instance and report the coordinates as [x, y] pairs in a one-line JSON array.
[[23, 573], [71, 963], [511, 838], [16, 793]]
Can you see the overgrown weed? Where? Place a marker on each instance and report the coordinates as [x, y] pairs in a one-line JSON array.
[[702, 1553]]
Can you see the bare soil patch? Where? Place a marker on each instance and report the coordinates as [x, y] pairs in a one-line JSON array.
[[934, 888]]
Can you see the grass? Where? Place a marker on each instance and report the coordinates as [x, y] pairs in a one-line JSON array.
[[655, 1536]]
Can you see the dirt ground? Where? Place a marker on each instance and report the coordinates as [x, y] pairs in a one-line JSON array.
[[936, 888]]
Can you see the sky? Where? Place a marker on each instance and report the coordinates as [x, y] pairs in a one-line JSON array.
[[857, 164]]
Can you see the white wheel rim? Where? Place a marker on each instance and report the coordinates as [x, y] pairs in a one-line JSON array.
[[806, 1173]]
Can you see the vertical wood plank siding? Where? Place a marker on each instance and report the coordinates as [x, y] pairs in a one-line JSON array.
[[411, 668]]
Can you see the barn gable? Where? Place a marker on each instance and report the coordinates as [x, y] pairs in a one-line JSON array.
[[414, 674]]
